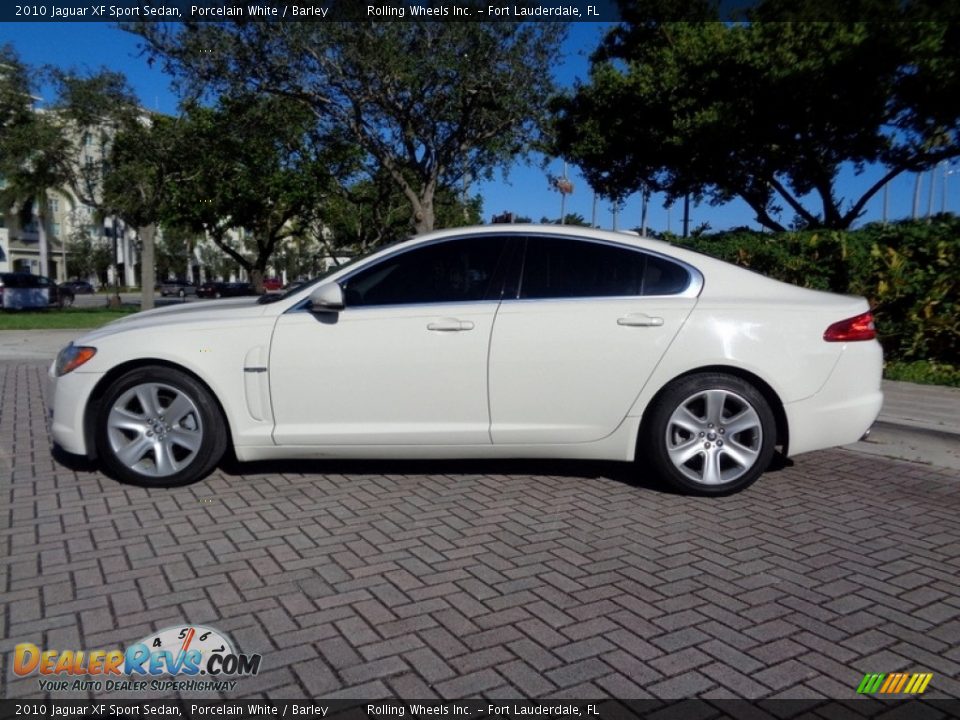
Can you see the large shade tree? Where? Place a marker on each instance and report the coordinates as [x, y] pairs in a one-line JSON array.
[[429, 103], [767, 111], [143, 169], [256, 166]]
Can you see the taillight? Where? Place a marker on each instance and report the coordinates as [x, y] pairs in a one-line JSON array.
[[856, 328]]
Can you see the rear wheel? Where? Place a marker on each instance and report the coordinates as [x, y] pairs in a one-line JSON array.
[[710, 434], [158, 427]]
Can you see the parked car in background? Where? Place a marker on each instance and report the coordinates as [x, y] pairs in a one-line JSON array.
[[272, 284], [215, 289], [178, 287], [78, 287], [21, 291], [490, 342]]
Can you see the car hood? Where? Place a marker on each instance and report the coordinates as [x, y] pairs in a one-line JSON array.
[[214, 311]]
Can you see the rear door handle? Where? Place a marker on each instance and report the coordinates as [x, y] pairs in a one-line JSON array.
[[450, 325], [640, 320]]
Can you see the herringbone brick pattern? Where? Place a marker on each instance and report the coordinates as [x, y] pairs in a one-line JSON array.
[[489, 579]]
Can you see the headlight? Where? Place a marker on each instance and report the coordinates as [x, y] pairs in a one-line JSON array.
[[72, 357]]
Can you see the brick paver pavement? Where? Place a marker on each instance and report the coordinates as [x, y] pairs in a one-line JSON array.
[[489, 579]]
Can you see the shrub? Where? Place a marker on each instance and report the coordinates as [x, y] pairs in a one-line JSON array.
[[907, 270]]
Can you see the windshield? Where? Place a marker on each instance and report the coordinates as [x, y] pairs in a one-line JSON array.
[[264, 299]]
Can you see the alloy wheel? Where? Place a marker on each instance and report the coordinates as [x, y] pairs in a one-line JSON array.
[[714, 437], [155, 429]]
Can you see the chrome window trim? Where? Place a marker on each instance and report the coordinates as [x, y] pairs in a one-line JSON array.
[[693, 289]]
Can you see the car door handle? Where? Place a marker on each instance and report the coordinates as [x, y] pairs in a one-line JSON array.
[[450, 325], [640, 320]]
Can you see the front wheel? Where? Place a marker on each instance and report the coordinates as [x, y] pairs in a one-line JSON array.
[[158, 427], [710, 434]]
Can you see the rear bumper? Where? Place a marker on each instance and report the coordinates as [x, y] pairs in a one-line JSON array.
[[845, 408]]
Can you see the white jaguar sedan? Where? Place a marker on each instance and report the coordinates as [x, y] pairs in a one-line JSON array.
[[490, 342]]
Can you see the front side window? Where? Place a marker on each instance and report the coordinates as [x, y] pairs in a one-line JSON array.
[[453, 271], [566, 268]]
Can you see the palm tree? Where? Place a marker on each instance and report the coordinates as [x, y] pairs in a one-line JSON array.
[[35, 163], [35, 152]]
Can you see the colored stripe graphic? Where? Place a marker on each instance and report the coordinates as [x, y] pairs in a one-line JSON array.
[[871, 683], [894, 683]]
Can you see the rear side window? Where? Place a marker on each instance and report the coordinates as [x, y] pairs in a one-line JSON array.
[[452, 271], [565, 268]]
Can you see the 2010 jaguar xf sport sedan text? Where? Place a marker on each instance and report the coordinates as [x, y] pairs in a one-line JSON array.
[[493, 342]]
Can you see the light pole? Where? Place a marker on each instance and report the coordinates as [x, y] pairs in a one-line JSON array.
[[916, 196]]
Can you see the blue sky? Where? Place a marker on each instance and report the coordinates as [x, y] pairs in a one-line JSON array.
[[524, 190]]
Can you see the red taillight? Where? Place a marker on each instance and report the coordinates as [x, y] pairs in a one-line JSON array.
[[852, 329]]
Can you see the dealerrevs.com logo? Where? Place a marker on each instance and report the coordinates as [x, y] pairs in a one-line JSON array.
[[204, 655]]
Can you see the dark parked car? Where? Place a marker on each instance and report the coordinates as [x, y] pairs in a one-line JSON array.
[[78, 287], [178, 287], [225, 289], [20, 290]]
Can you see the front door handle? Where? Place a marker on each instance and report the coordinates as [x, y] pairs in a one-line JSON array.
[[640, 320], [450, 325]]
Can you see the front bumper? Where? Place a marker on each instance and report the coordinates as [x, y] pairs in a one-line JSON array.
[[68, 399]]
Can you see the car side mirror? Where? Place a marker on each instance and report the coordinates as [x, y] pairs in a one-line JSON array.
[[327, 298]]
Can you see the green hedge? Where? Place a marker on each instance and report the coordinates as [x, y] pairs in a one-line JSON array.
[[909, 271]]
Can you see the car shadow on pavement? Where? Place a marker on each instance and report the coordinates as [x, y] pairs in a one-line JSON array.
[[632, 474], [77, 463], [625, 473]]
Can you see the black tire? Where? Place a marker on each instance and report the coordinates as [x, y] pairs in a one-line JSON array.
[[182, 293], [180, 449], [217, 295], [702, 451]]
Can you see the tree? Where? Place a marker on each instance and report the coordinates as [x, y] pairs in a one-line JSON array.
[[255, 166], [63, 148], [86, 257], [143, 169], [767, 111], [575, 219], [92, 108], [174, 248], [34, 151], [428, 102]]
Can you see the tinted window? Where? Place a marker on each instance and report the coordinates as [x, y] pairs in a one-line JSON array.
[[561, 268], [662, 277], [453, 271]]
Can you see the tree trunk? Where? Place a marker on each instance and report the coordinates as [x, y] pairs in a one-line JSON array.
[[147, 272], [423, 215], [256, 279]]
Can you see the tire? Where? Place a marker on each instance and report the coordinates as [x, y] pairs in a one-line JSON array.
[[182, 294], [141, 443], [710, 434], [217, 295], [65, 301]]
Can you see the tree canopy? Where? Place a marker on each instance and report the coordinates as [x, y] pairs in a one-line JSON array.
[[256, 164], [766, 110], [429, 103]]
